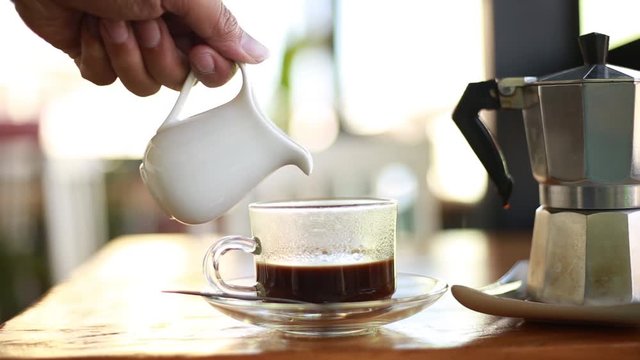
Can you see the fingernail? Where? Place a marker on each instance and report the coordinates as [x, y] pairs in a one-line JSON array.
[[117, 31], [204, 64], [149, 34], [253, 48]]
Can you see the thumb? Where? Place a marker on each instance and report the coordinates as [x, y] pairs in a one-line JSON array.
[[216, 25]]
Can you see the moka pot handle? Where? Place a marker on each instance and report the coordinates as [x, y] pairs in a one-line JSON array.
[[484, 96]]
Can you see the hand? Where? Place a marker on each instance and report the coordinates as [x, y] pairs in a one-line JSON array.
[[145, 43]]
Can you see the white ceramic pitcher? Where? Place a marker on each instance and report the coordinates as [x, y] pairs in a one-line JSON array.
[[199, 167]]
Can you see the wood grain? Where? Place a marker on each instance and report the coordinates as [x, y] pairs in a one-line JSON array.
[[113, 308]]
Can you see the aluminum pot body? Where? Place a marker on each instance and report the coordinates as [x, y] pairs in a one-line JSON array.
[[584, 143]]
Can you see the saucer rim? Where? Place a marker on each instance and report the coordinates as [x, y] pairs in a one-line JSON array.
[[438, 288], [507, 305], [336, 319]]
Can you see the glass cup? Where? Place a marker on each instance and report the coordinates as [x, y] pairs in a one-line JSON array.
[[320, 251]]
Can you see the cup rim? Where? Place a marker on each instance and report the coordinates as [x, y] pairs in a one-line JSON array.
[[324, 203]]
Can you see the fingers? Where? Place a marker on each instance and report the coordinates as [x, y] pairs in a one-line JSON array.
[[126, 58], [211, 68], [93, 60], [162, 60], [117, 9], [133, 42], [217, 26], [143, 62]]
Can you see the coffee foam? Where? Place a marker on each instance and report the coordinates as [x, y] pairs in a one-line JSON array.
[[314, 260]]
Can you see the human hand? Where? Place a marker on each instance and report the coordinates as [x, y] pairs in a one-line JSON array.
[[145, 43]]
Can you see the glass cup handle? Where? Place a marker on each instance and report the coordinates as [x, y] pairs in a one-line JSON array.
[[211, 263]]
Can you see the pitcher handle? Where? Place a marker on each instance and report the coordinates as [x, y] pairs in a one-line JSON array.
[[189, 83], [172, 118]]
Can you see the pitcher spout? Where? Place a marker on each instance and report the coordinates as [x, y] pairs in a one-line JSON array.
[[301, 158]]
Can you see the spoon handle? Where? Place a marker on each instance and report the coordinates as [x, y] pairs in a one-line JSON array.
[[236, 297]]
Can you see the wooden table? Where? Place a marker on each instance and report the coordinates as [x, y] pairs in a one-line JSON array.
[[113, 308]]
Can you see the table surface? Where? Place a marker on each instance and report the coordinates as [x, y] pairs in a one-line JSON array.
[[113, 308]]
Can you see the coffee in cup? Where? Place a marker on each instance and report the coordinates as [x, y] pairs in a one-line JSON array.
[[320, 251]]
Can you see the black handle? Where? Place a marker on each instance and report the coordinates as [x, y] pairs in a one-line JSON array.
[[476, 97]]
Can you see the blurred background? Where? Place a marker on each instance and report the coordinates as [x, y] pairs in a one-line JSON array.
[[367, 87]]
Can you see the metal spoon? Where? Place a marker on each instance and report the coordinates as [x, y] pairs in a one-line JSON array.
[[236, 297], [513, 284]]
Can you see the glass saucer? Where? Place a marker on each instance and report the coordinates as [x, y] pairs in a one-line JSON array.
[[413, 294]]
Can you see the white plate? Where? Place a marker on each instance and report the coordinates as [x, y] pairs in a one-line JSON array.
[[413, 294], [507, 297]]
